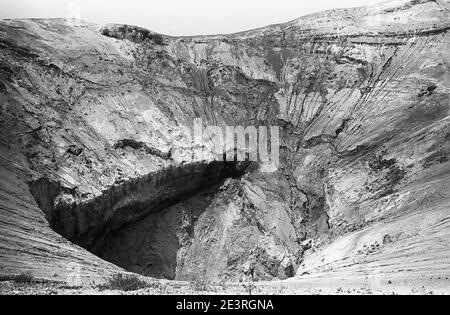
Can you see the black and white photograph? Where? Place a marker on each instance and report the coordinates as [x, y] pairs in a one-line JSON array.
[[208, 149]]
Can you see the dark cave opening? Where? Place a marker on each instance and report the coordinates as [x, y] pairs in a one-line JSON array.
[[151, 246], [134, 225], [147, 224]]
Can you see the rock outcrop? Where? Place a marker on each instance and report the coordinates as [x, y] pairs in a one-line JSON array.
[[97, 149]]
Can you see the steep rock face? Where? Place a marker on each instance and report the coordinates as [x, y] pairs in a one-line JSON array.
[[92, 119]]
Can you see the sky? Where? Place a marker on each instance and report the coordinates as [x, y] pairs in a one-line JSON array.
[[177, 17]]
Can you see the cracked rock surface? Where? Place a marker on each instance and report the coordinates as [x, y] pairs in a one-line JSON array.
[[99, 167]]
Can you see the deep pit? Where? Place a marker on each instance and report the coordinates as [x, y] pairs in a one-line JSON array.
[[150, 226], [152, 245], [135, 224]]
